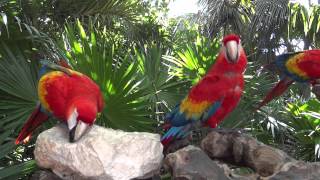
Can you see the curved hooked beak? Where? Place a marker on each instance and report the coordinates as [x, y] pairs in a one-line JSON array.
[[232, 51], [76, 128]]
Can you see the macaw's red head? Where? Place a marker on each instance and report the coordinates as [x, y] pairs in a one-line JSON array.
[[232, 46], [82, 114]]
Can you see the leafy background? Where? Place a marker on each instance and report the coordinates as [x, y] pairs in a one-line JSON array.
[[145, 62]]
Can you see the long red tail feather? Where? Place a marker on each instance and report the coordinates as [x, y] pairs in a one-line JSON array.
[[166, 142], [279, 89], [37, 118]]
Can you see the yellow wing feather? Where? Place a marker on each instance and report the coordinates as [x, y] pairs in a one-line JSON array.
[[292, 65], [42, 91], [192, 108]]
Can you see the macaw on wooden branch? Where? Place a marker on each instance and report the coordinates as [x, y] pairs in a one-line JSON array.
[[68, 95], [214, 97], [301, 67]]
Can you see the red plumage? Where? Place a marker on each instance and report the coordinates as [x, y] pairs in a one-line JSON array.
[[64, 91], [64, 96], [224, 80], [231, 37], [310, 64]]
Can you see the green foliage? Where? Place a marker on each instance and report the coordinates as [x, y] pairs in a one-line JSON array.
[[23, 169], [195, 60], [183, 30], [304, 24], [163, 89], [271, 20], [49, 12], [303, 120], [226, 16], [18, 83], [148, 30]]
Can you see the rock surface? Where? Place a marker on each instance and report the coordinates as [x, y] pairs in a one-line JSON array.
[[44, 175], [100, 154], [298, 171], [192, 163]]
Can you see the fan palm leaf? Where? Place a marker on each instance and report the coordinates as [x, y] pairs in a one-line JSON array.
[[192, 62], [227, 15], [18, 94], [162, 90]]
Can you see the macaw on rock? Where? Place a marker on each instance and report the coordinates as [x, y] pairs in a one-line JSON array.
[[214, 97], [301, 67], [71, 97]]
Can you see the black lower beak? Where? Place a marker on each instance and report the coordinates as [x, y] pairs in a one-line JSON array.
[[78, 131], [71, 134]]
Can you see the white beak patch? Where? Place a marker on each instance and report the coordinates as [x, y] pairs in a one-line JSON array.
[[72, 121], [232, 51]]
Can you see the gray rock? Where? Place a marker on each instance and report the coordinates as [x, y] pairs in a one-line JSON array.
[[100, 154], [297, 171], [192, 163], [44, 175], [243, 150]]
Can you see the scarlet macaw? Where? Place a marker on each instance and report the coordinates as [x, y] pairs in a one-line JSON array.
[[301, 67], [215, 96], [68, 95]]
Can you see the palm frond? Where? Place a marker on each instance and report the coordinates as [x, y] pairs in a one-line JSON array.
[[18, 94], [23, 169], [270, 14], [195, 60], [162, 90], [227, 15], [304, 120]]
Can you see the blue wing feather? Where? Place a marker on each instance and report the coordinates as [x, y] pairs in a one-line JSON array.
[[210, 112], [177, 132], [43, 70], [177, 118]]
